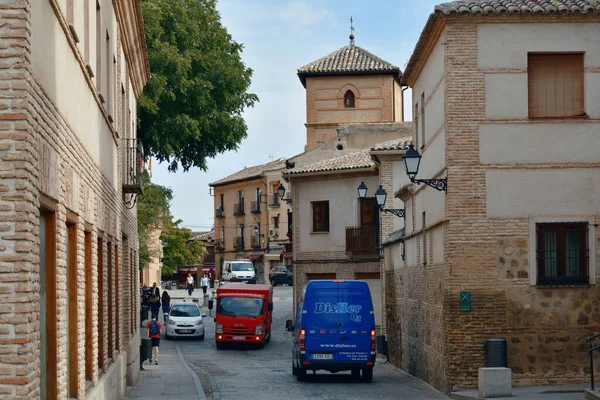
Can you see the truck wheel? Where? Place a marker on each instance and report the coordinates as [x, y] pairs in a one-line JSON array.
[[367, 375], [219, 346], [300, 374]]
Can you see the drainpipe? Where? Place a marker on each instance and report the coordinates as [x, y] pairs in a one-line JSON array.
[[405, 87]]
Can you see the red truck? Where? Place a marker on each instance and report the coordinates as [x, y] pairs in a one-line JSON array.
[[244, 314]]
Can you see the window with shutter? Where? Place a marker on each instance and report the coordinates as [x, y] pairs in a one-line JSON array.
[[320, 216], [555, 85]]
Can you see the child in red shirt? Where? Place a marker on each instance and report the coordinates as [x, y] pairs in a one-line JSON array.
[[154, 327]]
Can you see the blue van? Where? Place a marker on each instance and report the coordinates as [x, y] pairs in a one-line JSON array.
[[334, 329]]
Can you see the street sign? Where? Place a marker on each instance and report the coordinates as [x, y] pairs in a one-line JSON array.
[[465, 301]]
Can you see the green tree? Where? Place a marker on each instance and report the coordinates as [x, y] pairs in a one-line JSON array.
[[178, 248], [152, 211], [191, 108]]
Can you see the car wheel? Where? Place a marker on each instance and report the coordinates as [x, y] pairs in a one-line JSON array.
[[201, 337], [300, 374], [367, 375], [167, 337], [294, 369], [290, 282]]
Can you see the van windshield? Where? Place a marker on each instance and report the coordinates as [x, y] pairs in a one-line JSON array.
[[242, 267], [240, 306]]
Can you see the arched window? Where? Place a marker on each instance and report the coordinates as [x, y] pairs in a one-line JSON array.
[[349, 99]]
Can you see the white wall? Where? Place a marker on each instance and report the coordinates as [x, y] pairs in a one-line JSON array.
[[399, 179], [343, 210], [57, 70]]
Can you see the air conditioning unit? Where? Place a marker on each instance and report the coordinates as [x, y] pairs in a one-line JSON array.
[[273, 232]]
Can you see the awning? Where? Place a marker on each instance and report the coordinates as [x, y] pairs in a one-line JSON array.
[[255, 257], [273, 256], [286, 255]]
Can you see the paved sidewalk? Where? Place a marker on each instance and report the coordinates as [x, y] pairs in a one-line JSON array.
[[171, 379], [559, 392]]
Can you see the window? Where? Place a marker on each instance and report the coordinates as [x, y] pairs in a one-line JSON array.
[[72, 285], [424, 234], [89, 351], [276, 222], [109, 302], [562, 253], [416, 118], [349, 99], [117, 300], [108, 78], [86, 33], [100, 248], [422, 119], [99, 51], [123, 124], [48, 309], [222, 201], [320, 216], [71, 20], [555, 84]]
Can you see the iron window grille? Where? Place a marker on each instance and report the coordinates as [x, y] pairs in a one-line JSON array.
[[238, 209], [133, 166], [562, 253]]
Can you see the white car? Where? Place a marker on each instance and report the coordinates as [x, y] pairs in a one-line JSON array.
[[185, 320]]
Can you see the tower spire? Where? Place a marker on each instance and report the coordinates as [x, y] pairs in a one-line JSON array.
[[351, 32]]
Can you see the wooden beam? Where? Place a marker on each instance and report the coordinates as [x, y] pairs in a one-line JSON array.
[[89, 349], [72, 286]]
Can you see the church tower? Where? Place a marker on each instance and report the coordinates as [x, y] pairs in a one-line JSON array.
[[347, 86]]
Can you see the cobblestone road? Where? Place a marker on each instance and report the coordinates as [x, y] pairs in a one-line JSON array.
[[253, 374]]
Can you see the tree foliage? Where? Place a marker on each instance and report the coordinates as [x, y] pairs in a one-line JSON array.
[[191, 108], [178, 249]]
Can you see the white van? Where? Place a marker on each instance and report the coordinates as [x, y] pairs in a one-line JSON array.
[[239, 271]]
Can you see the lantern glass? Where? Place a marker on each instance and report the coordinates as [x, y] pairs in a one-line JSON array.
[[380, 196], [412, 159], [281, 191], [362, 190]]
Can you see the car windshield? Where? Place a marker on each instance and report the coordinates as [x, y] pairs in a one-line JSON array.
[[240, 306], [242, 267], [185, 310]]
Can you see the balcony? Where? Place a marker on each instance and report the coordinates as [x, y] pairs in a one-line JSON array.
[[274, 200], [255, 242], [362, 239], [255, 207], [219, 245], [219, 213], [238, 242], [133, 166], [238, 209]]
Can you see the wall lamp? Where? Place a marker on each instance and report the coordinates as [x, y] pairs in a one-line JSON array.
[[412, 159], [380, 197], [281, 193]]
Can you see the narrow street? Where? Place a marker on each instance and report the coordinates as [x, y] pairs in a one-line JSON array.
[[240, 372]]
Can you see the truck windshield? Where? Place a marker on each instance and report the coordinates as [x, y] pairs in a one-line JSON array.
[[242, 267], [240, 306]]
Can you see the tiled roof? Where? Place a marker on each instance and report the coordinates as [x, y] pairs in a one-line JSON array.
[[204, 236], [356, 160], [348, 60], [496, 7], [396, 144], [394, 237], [249, 173]]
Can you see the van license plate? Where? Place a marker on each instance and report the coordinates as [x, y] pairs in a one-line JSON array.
[[239, 338], [322, 356]]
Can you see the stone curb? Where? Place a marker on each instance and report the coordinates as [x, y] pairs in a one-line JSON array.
[[197, 383]]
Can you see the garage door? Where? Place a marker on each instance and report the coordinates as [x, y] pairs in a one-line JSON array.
[[374, 282]]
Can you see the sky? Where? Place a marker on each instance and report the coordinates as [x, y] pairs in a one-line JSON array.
[[280, 36]]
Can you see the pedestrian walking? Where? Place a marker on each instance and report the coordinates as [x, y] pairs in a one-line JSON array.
[[166, 305], [154, 326], [204, 283], [155, 300], [190, 284]]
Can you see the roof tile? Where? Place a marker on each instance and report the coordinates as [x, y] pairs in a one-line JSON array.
[[250, 172], [396, 144], [359, 159]]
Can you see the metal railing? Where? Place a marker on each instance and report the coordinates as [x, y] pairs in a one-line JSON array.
[[219, 245], [133, 166], [219, 213], [238, 242], [238, 209], [362, 239], [591, 349], [255, 242], [255, 207], [274, 200]]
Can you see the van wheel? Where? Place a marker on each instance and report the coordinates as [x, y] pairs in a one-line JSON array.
[[355, 374], [300, 374], [294, 369], [367, 375]]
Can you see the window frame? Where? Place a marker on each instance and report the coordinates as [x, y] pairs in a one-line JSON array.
[[591, 245], [326, 214]]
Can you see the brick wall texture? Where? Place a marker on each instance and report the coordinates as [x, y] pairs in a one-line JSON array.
[[545, 327], [41, 157]]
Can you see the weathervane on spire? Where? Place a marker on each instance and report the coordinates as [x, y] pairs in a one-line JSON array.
[[351, 32]]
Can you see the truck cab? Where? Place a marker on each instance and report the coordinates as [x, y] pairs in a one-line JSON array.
[[239, 271], [244, 314]]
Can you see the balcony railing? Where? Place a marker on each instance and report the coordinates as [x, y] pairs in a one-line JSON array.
[[238, 242], [255, 242], [274, 200], [238, 209], [219, 213], [133, 166], [219, 245], [362, 239], [255, 207]]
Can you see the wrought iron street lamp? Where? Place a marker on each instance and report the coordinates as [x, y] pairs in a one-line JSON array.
[[412, 161], [380, 197], [281, 193], [256, 229]]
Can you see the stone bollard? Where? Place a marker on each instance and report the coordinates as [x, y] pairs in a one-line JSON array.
[[495, 382]]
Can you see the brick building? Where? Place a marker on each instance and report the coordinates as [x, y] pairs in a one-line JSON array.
[[506, 108], [71, 73]]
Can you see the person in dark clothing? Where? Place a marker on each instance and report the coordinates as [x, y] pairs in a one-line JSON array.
[[155, 299], [166, 304]]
